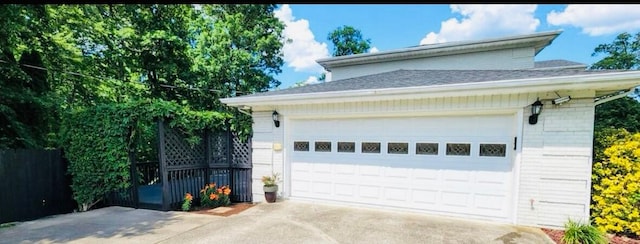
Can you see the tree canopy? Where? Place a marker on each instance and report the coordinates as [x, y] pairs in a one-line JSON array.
[[622, 53], [58, 58], [92, 78], [348, 40]]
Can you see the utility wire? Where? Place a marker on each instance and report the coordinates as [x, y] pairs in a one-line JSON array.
[[105, 78]]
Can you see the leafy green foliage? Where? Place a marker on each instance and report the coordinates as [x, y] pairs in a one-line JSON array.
[[213, 197], [94, 78], [581, 233], [348, 40], [99, 141], [616, 185], [620, 113], [615, 193], [622, 53]]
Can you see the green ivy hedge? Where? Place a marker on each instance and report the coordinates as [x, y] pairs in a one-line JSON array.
[[97, 141]]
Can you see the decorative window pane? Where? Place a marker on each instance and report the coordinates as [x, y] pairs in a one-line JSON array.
[[323, 146], [371, 147], [459, 149], [427, 148], [493, 150], [346, 146], [397, 148], [301, 146]]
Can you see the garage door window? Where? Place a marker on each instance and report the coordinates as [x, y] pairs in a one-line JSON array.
[[397, 148], [458, 149], [371, 147], [427, 148], [323, 146], [346, 146], [493, 150], [301, 146]]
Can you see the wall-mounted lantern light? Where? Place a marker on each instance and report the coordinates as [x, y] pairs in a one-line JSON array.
[[276, 120], [536, 108]]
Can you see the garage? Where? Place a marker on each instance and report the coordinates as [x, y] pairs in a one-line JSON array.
[[451, 165]]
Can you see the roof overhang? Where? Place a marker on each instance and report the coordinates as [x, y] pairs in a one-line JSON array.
[[601, 83], [537, 40]]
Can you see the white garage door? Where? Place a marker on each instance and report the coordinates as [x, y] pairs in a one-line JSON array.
[[457, 165]]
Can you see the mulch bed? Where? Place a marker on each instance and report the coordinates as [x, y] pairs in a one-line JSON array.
[[556, 235], [235, 208]]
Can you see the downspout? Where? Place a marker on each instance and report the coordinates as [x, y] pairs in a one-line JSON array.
[[611, 98]]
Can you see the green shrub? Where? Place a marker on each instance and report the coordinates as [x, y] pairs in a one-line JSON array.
[[616, 186], [98, 141], [581, 233]]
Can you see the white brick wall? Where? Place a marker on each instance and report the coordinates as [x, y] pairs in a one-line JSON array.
[[265, 159], [555, 171]]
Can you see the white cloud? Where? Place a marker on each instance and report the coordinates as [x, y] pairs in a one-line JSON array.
[[303, 50], [311, 80], [374, 50], [485, 21], [599, 19]]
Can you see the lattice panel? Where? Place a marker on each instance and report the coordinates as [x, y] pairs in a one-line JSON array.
[[427, 148], [346, 147], [371, 147], [179, 152], [323, 146], [301, 146], [458, 149], [218, 147], [241, 153], [397, 148], [493, 150]]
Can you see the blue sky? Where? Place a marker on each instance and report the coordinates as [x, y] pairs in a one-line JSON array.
[[394, 26]]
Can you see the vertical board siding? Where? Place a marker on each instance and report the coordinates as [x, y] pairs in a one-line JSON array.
[[34, 184]]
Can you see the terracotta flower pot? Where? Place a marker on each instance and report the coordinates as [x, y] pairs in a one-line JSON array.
[[270, 193]]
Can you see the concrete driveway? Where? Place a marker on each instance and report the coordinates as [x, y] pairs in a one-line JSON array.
[[280, 222]]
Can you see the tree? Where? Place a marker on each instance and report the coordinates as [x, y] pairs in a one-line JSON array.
[[348, 40], [615, 168], [622, 53]]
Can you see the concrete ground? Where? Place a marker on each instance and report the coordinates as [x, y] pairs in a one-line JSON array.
[[280, 222]]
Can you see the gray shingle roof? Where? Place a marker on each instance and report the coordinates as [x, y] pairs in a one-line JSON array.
[[412, 78], [555, 63]]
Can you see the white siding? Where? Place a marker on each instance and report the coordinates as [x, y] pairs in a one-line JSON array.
[[553, 165], [556, 165], [516, 58], [265, 159]]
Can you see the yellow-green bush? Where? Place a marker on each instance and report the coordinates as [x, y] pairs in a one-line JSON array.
[[615, 204]]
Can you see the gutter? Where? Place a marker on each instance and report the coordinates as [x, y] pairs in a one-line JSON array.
[[480, 88]]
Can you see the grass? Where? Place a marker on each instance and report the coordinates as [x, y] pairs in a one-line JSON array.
[[582, 233], [7, 225]]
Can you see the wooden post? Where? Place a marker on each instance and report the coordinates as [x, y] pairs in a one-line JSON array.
[[162, 157], [133, 171]]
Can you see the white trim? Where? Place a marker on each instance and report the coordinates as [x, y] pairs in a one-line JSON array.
[[591, 81], [517, 161], [537, 40]]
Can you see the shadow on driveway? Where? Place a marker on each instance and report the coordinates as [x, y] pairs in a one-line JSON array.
[[280, 222], [105, 225]]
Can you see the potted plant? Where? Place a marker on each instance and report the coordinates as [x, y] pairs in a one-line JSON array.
[[270, 186]]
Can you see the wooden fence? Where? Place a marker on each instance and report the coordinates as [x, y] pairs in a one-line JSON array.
[[33, 184]]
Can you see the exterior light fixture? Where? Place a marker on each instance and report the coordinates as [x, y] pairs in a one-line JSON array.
[[276, 121], [536, 108]]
